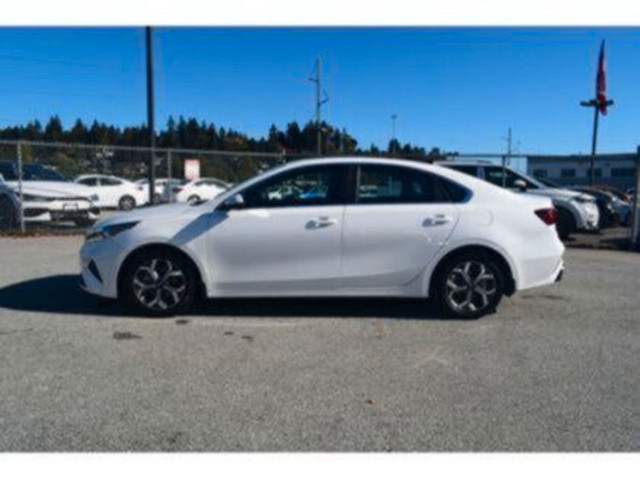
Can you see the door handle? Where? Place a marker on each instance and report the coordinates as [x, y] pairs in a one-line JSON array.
[[321, 222], [439, 219]]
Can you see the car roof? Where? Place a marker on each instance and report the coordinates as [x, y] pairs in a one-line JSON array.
[[479, 186]]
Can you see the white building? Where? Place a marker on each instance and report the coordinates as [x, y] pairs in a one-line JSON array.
[[617, 170]]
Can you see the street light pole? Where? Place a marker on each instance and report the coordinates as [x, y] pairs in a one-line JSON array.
[[393, 132]]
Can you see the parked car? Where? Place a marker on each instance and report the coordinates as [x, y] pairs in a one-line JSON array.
[[49, 196], [9, 207], [618, 193], [165, 188], [608, 214], [576, 211], [114, 192], [200, 190], [429, 232]]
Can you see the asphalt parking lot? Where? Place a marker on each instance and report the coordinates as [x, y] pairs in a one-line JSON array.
[[556, 369]]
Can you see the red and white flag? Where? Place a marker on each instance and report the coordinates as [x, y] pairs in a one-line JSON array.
[[601, 83]]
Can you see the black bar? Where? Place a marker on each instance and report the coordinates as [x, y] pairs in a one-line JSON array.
[[594, 144], [150, 117]]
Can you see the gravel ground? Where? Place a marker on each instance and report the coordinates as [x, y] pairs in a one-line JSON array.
[[556, 369]]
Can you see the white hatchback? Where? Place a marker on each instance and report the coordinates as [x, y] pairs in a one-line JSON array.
[[344, 227]]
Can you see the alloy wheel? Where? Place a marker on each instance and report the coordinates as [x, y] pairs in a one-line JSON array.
[[159, 284], [470, 287]]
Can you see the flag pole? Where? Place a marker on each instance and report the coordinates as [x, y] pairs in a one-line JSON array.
[[599, 104], [594, 144]]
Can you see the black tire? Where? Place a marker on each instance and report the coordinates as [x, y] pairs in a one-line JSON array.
[[193, 199], [126, 203], [156, 298], [566, 224], [8, 214], [157, 199], [476, 296]]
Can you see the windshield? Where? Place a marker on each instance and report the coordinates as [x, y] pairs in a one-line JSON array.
[[547, 183], [40, 172]]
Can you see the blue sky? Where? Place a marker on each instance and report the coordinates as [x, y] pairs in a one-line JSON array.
[[455, 88]]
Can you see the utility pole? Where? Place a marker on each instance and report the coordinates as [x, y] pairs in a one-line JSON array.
[[506, 159], [393, 133], [319, 102], [151, 117]]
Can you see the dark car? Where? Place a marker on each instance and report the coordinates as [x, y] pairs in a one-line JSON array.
[[605, 200]]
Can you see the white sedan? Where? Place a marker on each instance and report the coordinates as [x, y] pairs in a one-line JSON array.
[[371, 227], [114, 192], [200, 190]]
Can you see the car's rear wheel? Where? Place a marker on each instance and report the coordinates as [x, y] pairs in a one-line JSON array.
[[193, 199], [127, 202], [566, 224], [469, 286], [8, 214], [158, 283]]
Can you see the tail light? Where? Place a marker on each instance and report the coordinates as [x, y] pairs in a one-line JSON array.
[[548, 215]]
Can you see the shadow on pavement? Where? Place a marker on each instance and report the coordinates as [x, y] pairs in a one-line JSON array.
[[61, 294]]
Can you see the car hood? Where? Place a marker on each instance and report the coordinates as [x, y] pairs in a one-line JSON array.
[[560, 193], [36, 189], [57, 189], [172, 212]]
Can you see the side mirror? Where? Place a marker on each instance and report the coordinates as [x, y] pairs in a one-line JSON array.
[[234, 202], [520, 185]]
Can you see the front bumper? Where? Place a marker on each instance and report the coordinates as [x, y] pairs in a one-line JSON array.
[[99, 263], [590, 216], [59, 211]]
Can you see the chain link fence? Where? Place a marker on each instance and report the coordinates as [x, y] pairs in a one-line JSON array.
[[45, 180]]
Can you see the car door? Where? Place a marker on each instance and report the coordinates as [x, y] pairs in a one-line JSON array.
[[506, 178], [399, 220], [111, 189], [282, 241], [94, 184]]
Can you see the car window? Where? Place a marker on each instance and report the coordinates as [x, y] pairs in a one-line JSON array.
[[90, 182], [468, 169], [306, 186], [390, 184], [8, 171], [495, 174], [40, 172], [110, 182]]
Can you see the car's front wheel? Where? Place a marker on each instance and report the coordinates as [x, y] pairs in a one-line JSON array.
[[158, 282], [566, 224], [193, 199], [469, 286]]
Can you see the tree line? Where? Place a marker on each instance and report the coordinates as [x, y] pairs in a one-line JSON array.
[[189, 133]]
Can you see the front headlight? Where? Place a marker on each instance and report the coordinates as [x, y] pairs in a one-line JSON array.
[[585, 199], [34, 198], [109, 231]]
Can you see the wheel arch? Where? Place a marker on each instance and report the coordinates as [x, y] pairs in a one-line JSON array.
[[130, 256], [500, 258]]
